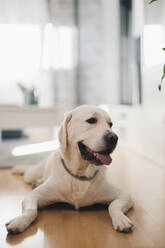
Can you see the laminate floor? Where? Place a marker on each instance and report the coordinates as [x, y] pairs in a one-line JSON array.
[[60, 226]]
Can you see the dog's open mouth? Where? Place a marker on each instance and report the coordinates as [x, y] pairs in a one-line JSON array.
[[97, 158]]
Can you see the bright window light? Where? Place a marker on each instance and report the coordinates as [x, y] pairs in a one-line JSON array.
[[47, 46], [58, 50], [153, 43], [35, 148], [20, 50]]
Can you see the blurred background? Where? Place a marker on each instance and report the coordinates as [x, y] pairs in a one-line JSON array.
[[58, 54]]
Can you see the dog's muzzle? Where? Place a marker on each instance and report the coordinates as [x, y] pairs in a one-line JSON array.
[[110, 140], [103, 156]]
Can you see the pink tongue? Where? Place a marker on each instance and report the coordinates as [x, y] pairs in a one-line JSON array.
[[105, 159]]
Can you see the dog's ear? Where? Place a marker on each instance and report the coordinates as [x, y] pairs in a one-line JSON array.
[[63, 134]]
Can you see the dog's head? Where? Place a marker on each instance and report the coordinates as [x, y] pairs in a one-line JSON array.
[[88, 130]]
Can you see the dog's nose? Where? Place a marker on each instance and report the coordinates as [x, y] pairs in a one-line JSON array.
[[111, 139]]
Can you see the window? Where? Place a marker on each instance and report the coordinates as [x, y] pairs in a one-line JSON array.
[[59, 47], [153, 44], [20, 50]]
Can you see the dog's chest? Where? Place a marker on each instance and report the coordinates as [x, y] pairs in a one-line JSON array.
[[81, 193]]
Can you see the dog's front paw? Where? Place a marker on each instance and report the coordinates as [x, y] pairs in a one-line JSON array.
[[122, 223], [17, 225]]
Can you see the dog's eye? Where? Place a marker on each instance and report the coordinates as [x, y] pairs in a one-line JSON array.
[[110, 124], [92, 120]]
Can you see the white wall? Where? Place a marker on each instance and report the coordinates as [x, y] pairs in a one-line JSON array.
[[154, 14], [142, 128]]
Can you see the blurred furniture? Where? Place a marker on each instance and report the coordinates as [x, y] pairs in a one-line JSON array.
[[12, 134], [31, 116]]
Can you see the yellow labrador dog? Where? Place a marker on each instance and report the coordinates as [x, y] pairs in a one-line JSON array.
[[76, 172]]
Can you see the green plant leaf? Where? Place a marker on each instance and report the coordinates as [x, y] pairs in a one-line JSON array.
[[162, 77], [163, 70], [159, 87], [152, 1]]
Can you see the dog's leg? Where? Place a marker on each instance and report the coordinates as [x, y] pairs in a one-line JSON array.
[[120, 205], [19, 169], [37, 198], [31, 172]]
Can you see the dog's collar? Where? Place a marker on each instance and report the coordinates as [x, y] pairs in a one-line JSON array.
[[81, 178]]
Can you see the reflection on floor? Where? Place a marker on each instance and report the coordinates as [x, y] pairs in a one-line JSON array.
[[33, 136], [62, 226], [7, 159]]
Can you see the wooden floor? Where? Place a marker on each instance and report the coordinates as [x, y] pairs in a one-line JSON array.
[[63, 227]]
